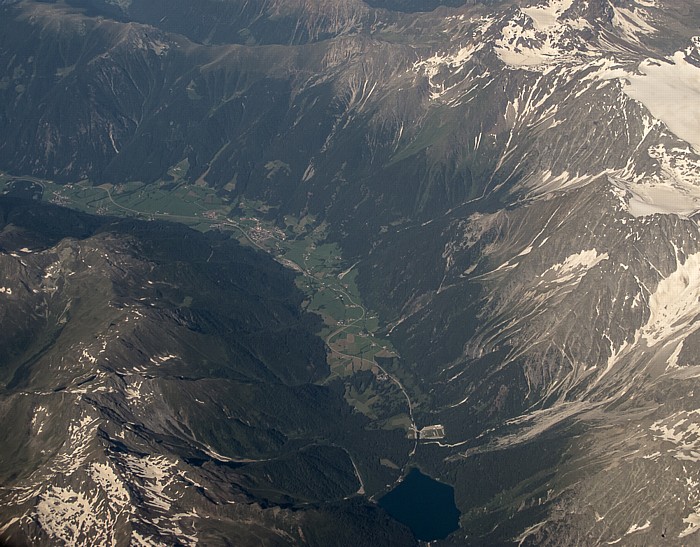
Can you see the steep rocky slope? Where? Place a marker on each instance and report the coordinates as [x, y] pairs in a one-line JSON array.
[[516, 182], [157, 386]]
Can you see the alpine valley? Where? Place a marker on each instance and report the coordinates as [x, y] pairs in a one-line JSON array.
[[502, 198]]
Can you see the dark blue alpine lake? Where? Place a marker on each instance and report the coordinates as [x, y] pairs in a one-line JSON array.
[[423, 504]]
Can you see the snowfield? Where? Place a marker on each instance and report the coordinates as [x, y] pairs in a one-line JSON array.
[[670, 89]]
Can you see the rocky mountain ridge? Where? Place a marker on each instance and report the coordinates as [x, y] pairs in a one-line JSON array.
[[157, 386], [516, 182]]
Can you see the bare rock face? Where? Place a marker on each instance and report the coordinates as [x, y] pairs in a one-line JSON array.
[[518, 184]]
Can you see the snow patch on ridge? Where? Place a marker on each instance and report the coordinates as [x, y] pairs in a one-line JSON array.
[[682, 430], [112, 485], [81, 436], [453, 62], [575, 265], [674, 304], [547, 15], [68, 515], [662, 198], [541, 35], [432, 65], [156, 474], [632, 23], [670, 90], [693, 522], [676, 191], [636, 528]]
